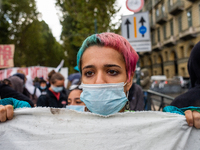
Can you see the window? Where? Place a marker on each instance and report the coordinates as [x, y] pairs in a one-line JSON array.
[[152, 19], [163, 8], [189, 16], [154, 57], [182, 51], [199, 11], [166, 56], [157, 12], [172, 27], [183, 71], [180, 23], [164, 31], [158, 34], [167, 73], [152, 38]]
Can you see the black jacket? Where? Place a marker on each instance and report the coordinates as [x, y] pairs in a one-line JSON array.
[[6, 91], [192, 96], [49, 100]]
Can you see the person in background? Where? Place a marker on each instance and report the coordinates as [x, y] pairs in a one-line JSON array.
[[73, 79], [74, 102], [36, 82], [34, 92], [43, 86], [50, 74], [7, 91], [145, 80], [49, 77], [16, 83], [135, 98], [54, 97], [183, 102]]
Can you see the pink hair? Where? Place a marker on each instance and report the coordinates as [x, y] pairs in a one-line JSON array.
[[116, 42], [120, 44]]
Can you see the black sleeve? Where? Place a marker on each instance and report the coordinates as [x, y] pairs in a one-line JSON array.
[[6, 92]]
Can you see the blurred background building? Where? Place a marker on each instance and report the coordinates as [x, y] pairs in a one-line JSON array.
[[175, 29]]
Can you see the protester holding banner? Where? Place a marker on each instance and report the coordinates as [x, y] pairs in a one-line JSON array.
[[107, 63], [54, 97]]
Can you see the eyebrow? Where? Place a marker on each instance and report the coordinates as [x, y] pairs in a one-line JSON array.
[[111, 65], [107, 65], [89, 66]]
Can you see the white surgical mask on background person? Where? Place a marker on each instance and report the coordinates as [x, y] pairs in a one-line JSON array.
[[56, 89], [104, 99], [80, 108]]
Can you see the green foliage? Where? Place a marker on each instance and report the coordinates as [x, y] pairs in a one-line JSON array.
[[34, 42], [78, 22]]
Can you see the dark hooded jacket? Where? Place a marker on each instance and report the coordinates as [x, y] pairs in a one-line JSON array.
[[192, 96], [6, 92]]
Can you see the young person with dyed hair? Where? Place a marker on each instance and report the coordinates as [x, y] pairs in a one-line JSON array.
[[107, 63]]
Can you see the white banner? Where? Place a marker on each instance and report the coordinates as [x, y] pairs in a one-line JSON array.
[[34, 71], [57, 129]]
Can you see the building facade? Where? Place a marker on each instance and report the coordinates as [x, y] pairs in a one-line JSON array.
[[175, 29]]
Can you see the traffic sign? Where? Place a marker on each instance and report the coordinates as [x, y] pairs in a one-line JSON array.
[[134, 5], [135, 28]]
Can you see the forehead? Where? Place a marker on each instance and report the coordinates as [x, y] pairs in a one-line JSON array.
[[59, 82], [75, 93], [97, 54]]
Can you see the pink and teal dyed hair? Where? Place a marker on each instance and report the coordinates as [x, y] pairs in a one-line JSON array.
[[114, 41]]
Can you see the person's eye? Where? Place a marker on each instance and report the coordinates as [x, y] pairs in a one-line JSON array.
[[89, 73], [69, 102], [78, 102], [113, 72]]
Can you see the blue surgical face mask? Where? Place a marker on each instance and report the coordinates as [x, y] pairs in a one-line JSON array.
[[80, 108], [56, 89], [104, 99], [41, 87]]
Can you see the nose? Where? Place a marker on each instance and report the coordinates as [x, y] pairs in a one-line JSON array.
[[100, 78], [73, 102]]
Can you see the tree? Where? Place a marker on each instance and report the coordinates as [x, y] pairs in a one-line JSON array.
[[34, 42], [78, 22]]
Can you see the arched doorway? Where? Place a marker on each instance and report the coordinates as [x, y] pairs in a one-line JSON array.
[[189, 50]]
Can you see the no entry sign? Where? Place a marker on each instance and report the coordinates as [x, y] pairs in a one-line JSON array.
[[134, 5]]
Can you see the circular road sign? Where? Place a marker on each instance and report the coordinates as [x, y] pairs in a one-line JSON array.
[[134, 5]]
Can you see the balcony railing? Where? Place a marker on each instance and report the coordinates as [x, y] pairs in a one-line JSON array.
[[162, 18], [170, 41], [176, 8], [188, 34], [157, 46]]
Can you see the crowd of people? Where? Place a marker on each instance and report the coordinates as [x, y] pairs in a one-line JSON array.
[[104, 86]]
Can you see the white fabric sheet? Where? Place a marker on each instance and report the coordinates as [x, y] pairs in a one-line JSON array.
[[57, 129]]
